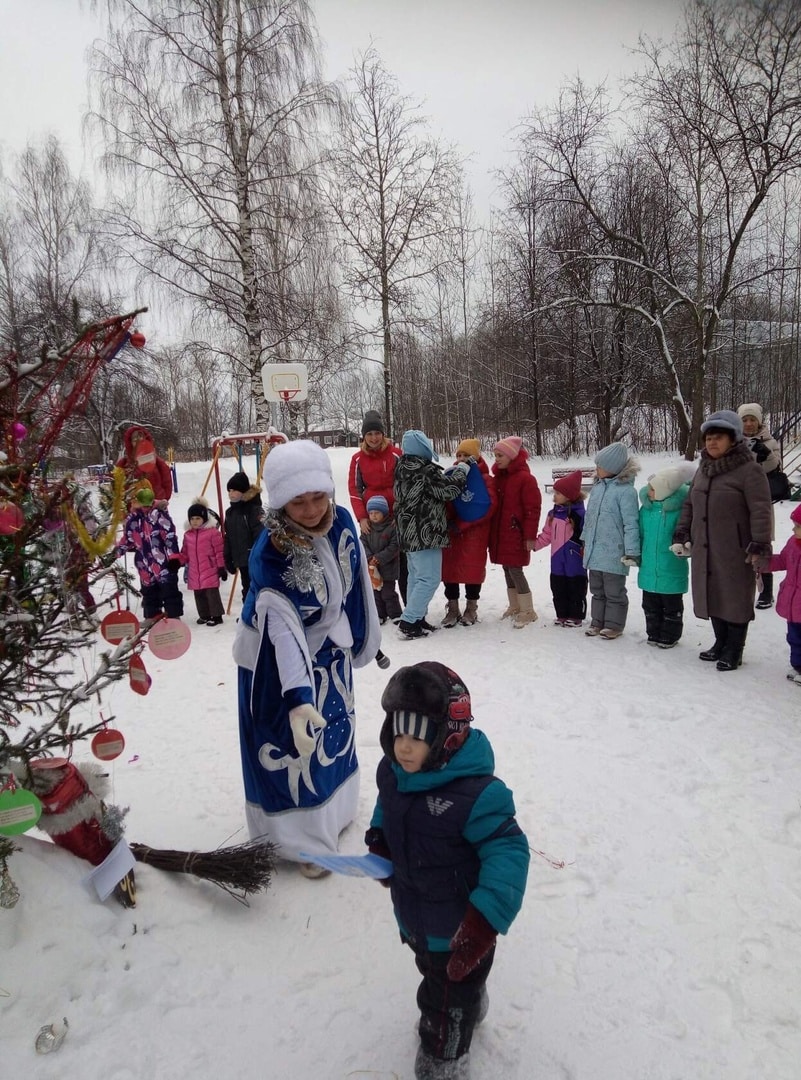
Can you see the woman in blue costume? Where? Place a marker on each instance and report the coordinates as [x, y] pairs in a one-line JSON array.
[[308, 618]]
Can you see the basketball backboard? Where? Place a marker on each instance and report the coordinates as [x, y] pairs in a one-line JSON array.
[[285, 382]]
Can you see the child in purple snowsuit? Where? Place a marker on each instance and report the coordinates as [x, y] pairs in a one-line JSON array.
[[150, 534], [562, 531]]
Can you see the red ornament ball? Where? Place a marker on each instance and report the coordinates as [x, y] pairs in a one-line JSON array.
[[137, 339]]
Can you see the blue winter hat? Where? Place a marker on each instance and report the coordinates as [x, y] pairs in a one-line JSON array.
[[378, 502], [612, 458], [417, 444], [725, 420]]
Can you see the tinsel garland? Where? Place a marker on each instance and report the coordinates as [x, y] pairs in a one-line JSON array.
[[305, 572], [9, 893], [100, 544]]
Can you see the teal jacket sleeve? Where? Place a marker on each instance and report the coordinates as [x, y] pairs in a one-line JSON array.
[[503, 850]]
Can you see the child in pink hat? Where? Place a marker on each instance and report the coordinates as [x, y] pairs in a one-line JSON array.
[[562, 531]]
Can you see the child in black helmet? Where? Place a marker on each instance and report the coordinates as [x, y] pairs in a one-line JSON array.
[[460, 860]]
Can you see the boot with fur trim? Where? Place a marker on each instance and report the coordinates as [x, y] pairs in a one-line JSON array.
[[514, 604], [470, 615], [526, 614], [452, 614]]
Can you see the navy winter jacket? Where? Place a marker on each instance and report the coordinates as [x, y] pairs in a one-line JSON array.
[[453, 840]]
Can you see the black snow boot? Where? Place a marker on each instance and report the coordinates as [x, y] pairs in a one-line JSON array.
[[732, 655], [429, 1068], [765, 598], [721, 628]]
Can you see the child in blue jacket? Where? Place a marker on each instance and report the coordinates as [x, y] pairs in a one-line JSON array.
[[663, 577], [611, 539], [460, 860]]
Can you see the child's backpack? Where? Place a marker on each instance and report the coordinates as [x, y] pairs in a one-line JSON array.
[[474, 501]]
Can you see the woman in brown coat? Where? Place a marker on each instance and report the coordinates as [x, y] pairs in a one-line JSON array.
[[726, 524]]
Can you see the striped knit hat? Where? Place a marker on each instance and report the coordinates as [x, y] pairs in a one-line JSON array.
[[430, 701], [417, 724]]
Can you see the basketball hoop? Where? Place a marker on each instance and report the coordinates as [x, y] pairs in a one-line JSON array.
[[285, 382]]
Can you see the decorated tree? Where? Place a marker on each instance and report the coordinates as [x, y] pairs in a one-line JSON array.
[[54, 557], [57, 570]]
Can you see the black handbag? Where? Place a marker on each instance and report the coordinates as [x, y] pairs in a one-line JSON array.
[[779, 485]]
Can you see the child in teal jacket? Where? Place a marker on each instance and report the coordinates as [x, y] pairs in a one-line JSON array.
[[460, 859], [663, 576]]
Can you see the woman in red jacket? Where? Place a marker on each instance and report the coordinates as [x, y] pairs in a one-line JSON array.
[[513, 530], [372, 472], [465, 561]]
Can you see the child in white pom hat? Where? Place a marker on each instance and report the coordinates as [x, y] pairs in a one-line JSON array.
[[663, 577]]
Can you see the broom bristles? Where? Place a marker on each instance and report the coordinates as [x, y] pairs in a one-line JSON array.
[[239, 871]]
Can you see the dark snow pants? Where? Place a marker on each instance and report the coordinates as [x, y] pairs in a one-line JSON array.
[[163, 596], [569, 596], [664, 616], [449, 1010]]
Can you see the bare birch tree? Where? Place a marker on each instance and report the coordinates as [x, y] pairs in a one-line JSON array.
[[209, 112], [391, 192]]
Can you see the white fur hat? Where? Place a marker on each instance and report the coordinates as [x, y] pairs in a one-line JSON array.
[[295, 468], [666, 481]]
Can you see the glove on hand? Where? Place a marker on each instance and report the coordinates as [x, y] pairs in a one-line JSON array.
[[299, 720], [470, 944], [173, 565], [377, 845], [461, 467], [223, 573], [682, 550], [759, 450], [631, 560]]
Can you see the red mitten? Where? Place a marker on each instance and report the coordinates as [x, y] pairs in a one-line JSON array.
[[471, 943]]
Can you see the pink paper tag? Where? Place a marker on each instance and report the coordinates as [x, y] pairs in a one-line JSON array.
[[169, 639]]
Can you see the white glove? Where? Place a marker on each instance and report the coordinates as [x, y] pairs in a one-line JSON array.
[[682, 550], [300, 719], [630, 560]]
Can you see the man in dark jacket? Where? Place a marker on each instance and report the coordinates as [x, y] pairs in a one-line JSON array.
[[244, 520]]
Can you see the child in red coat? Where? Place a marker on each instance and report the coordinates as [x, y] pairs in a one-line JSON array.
[[514, 528], [788, 602], [465, 561], [202, 553]]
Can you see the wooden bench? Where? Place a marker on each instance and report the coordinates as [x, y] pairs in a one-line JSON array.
[[587, 475]]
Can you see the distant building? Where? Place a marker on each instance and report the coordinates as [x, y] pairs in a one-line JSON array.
[[328, 432]]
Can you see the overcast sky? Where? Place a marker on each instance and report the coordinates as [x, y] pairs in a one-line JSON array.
[[480, 65]]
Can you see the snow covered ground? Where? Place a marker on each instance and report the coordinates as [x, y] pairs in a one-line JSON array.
[[667, 948]]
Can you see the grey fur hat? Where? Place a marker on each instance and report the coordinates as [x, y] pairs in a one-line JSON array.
[[724, 420]]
